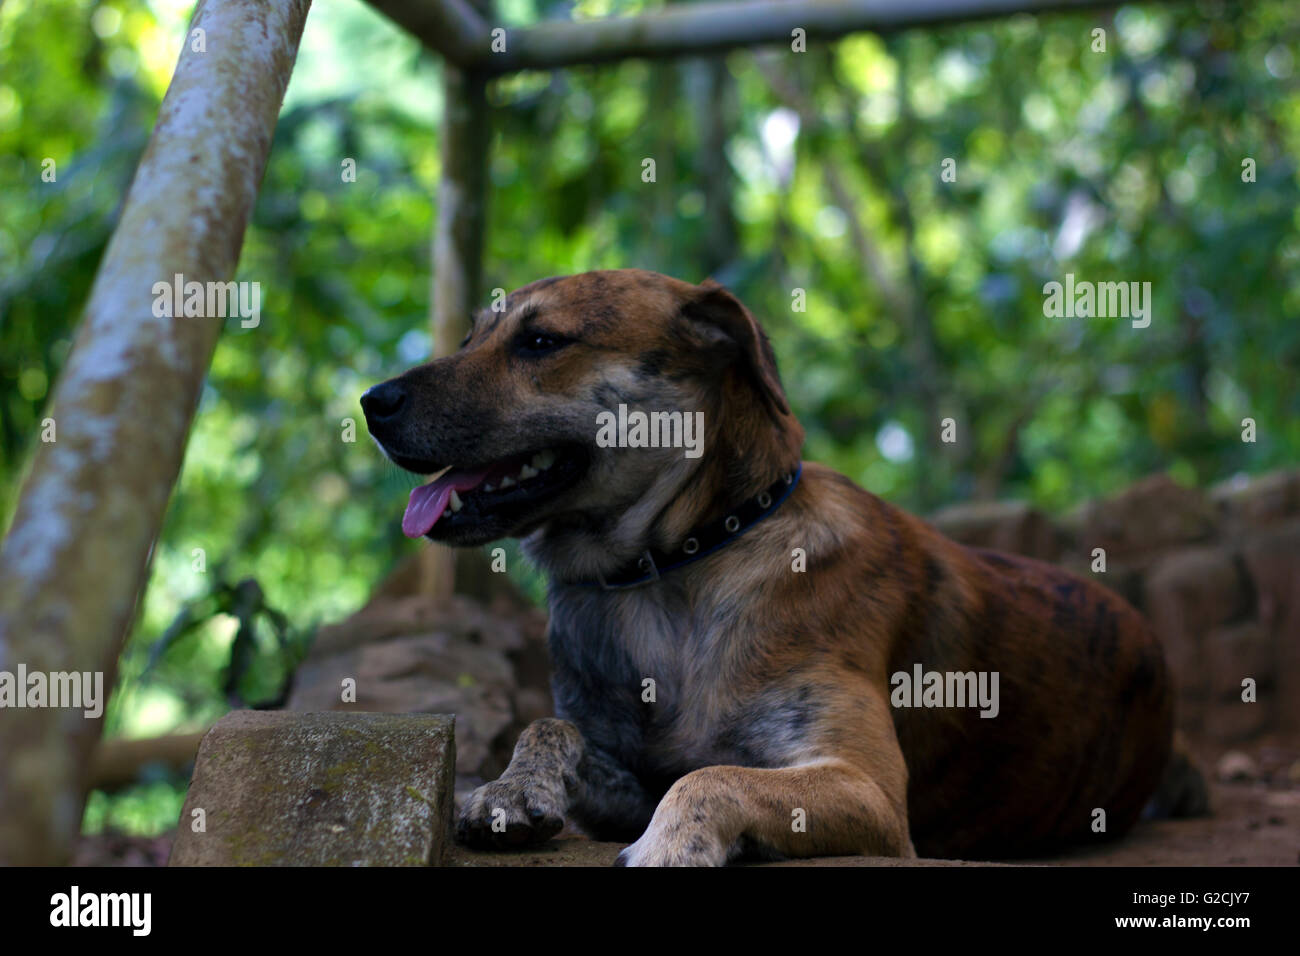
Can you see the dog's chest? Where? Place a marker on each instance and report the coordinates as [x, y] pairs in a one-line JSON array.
[[649, 679]]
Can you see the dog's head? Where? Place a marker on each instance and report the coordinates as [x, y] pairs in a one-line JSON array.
[[521, 414]]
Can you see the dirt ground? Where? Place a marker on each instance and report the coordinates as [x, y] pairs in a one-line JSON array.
[[1253, 825], [1256, 822]]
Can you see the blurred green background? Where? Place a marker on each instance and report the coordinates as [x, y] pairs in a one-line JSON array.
[[775, 172]]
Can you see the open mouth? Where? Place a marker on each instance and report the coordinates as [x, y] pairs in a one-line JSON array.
[[463, 497]]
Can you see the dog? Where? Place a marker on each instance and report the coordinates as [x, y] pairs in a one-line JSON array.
[[731, 633]]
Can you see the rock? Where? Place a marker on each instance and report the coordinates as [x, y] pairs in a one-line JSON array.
[[1124, 580], [1235, 652], [1189, 712], [420, 673], [1236, 723], [1155, 513], [1011, 526], [1236, 767], [287, 789], [532, 704], [1273, 561], [1187, 593], [114, 848], [412, 653], [460, 619], [1259, 502]]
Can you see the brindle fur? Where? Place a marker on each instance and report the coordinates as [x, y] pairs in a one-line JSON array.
[[772, 686]]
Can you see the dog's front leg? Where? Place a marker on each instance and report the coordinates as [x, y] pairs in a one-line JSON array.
[[553, 774], [820, 809]]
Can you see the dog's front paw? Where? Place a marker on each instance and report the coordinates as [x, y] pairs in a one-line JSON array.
[[674, 846], [508, 813]]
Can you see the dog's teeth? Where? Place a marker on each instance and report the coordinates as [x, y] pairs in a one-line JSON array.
[[507, 482], [543, 460], [456, 503], [525, 473], [489, 487]]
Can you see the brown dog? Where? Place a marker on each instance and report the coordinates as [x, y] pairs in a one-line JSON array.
[[734, 638]]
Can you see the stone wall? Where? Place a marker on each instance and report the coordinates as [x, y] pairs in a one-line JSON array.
[[479, 655], [1217, 573]]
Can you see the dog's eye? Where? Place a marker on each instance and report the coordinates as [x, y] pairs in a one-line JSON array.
[[534, 344]]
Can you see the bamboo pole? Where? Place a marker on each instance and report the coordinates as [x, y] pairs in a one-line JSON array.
[[452, 28], [77, 553], [694, 29]]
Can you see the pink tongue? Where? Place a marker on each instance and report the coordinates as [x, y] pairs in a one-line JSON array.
[[428, 502]]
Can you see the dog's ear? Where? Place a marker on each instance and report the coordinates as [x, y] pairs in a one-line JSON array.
[[722, 316]]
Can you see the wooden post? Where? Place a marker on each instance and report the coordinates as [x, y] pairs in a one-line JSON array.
[[77, 553], [462, 208], [458, 245]]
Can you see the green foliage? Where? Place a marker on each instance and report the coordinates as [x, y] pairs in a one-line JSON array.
[[263, 651], [147, 808], [924, 297]]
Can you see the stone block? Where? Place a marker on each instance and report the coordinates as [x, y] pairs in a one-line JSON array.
[[1259, 502], [438, 672], [1236, 652], [1188, 593], [1273, 560], [1153, 514], [1010, 526], [334, 789]]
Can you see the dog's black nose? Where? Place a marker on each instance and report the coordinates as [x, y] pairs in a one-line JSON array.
[[384, 402]]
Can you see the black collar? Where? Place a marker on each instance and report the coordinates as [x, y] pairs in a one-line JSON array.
[[702, 541]]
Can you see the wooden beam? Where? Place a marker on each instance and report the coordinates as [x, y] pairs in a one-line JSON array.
[[77, 554], [451, 28], [694, 29], [118, 763]]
